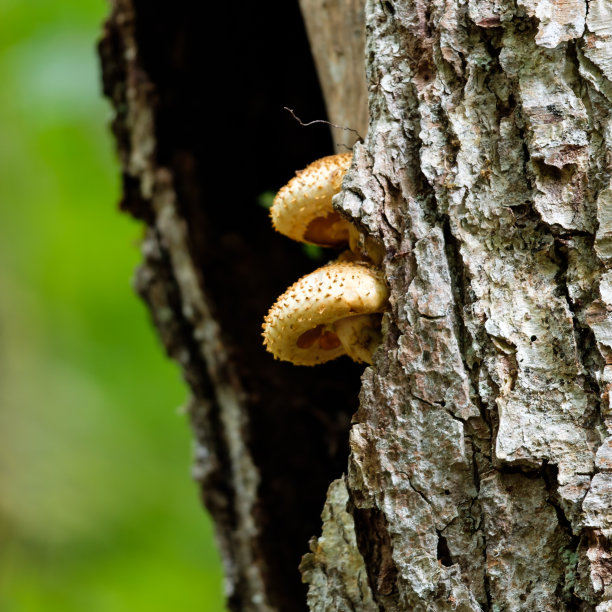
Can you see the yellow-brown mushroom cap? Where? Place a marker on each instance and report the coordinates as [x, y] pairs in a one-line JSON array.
[[300, 325], [303, 209]]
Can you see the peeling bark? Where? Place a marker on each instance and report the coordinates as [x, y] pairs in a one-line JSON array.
[[334, 568]]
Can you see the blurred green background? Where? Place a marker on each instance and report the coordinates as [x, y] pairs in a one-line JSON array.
[[97, 508]]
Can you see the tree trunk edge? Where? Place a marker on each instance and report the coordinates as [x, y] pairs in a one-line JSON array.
[[169, 283]]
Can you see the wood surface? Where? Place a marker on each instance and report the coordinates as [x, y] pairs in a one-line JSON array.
[[336, 30]]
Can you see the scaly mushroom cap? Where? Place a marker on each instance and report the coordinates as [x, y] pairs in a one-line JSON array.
[[303, 209], [300, 326]]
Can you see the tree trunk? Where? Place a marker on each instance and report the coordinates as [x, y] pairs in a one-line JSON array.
[[480, 464]]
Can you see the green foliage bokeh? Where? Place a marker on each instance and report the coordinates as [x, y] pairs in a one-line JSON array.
[[97, 508]]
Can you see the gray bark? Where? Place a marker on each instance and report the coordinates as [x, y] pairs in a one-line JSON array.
[[479, 473]]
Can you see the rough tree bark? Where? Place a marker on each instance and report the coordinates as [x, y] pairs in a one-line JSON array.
[[480, 466]]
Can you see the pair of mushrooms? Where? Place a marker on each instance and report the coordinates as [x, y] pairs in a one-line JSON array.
[[335, 310]]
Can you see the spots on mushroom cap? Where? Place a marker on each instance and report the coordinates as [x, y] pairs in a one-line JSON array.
[[304, 204], [299, 326]]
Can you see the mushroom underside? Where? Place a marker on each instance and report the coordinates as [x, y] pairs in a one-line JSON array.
[[330, 230]]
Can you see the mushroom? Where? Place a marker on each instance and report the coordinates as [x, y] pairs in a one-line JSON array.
[[303, 209], [332, 311]]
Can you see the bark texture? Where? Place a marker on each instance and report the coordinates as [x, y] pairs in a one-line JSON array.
[[480, 464], [478, 476]]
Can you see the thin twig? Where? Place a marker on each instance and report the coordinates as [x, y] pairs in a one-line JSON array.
[[339, 127]]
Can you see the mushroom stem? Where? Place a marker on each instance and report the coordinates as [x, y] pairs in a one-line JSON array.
[[365, 247], [360, 336]]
